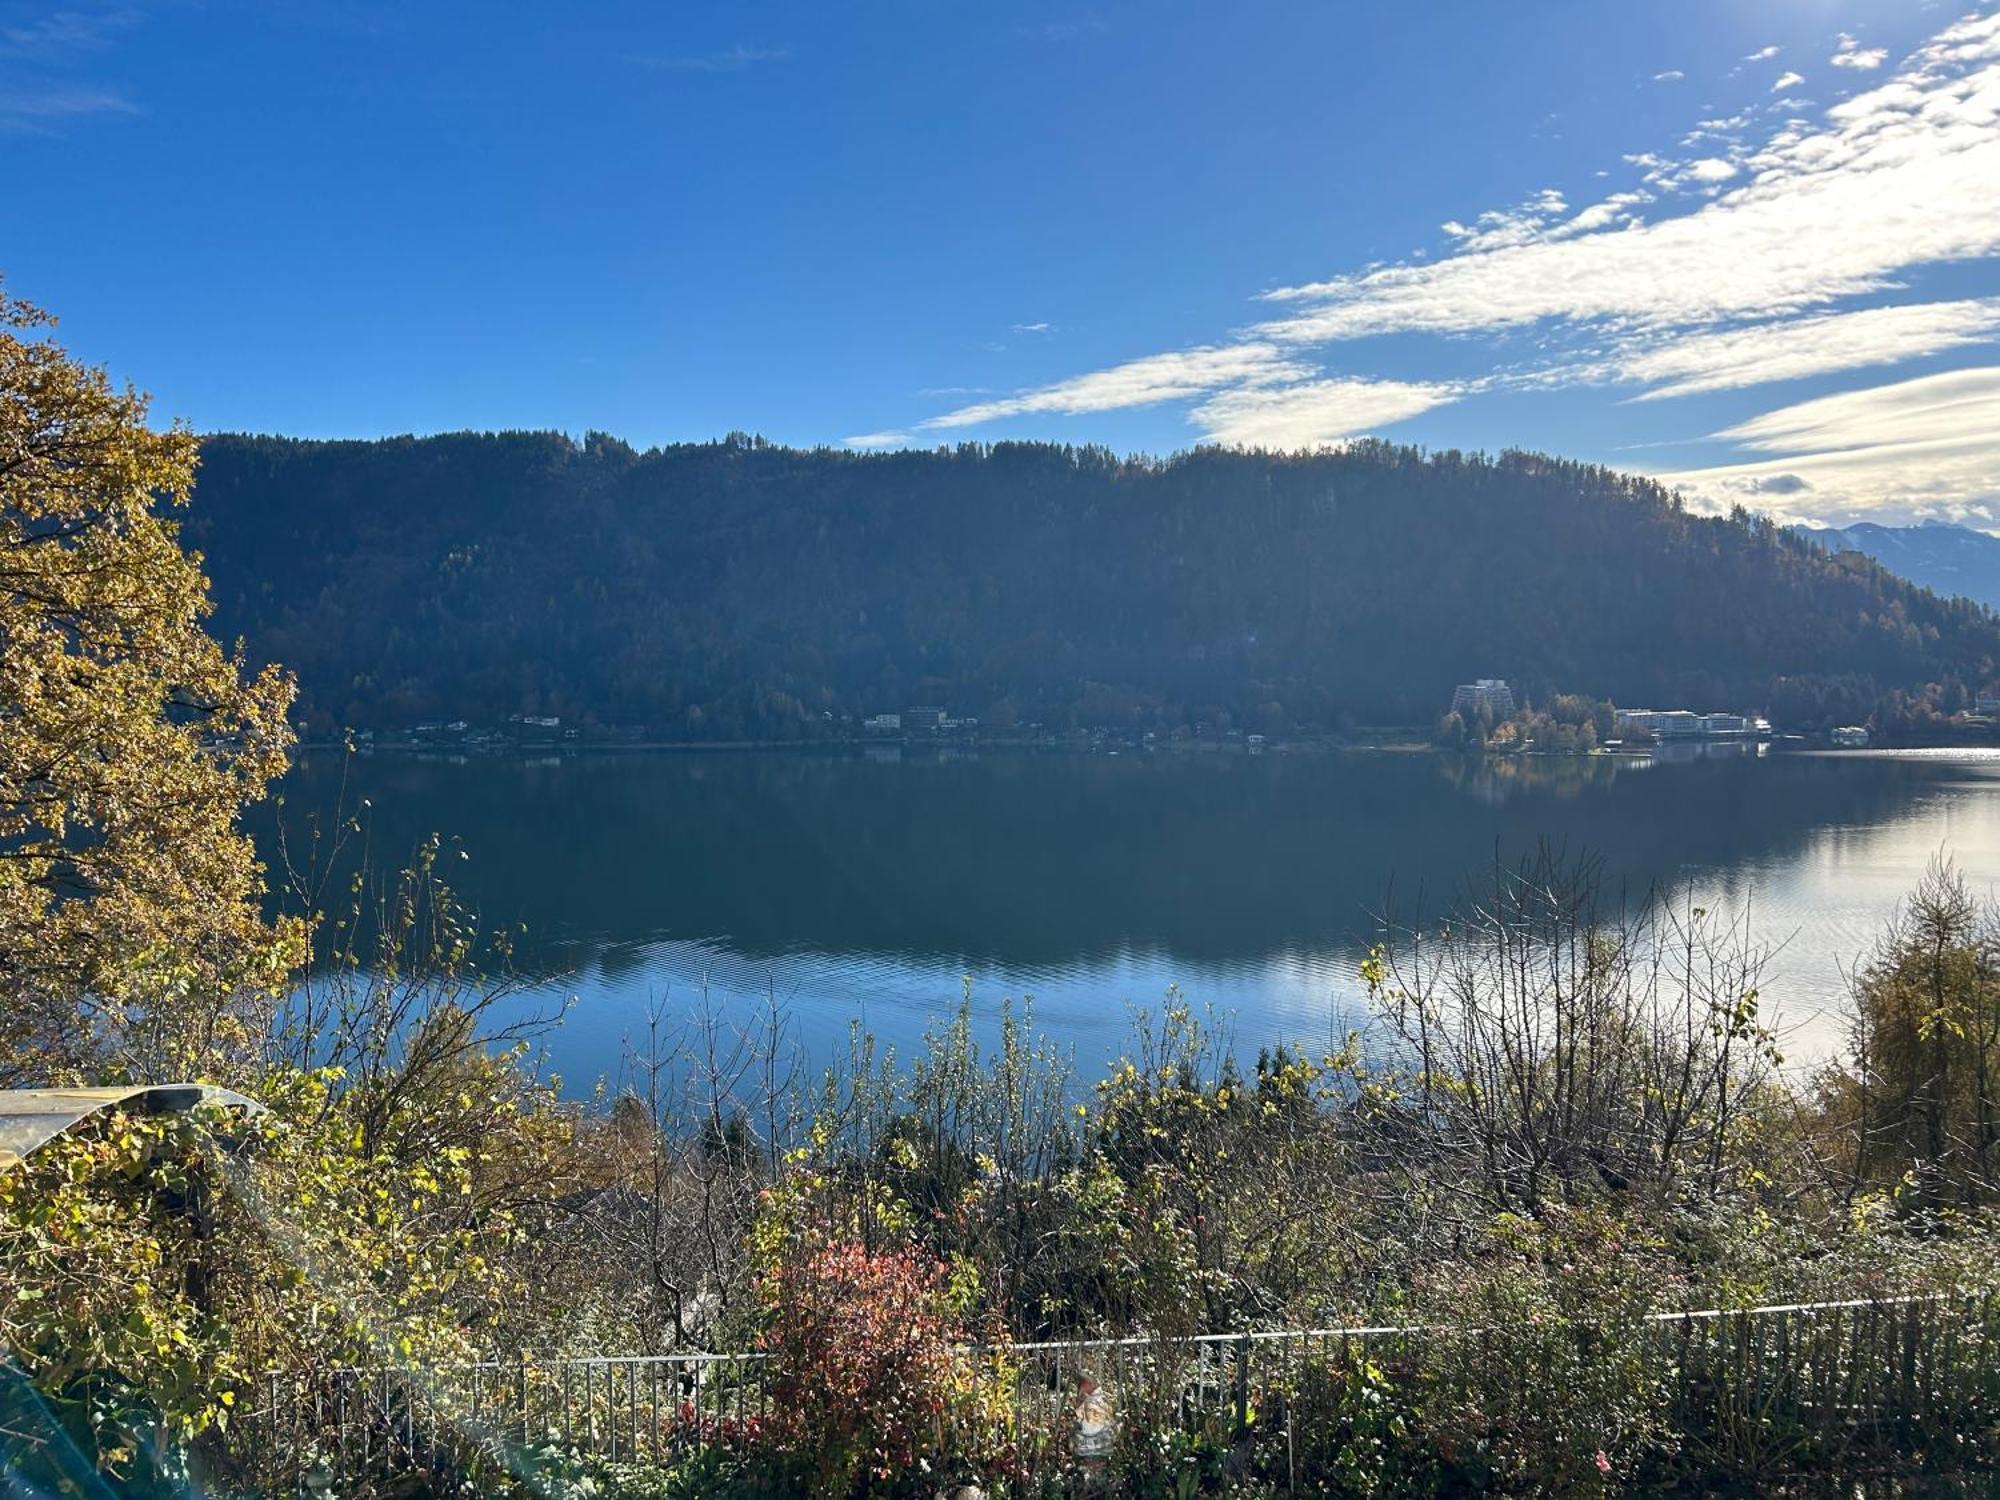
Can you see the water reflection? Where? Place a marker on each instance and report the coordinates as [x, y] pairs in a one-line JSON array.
[[860, 886]]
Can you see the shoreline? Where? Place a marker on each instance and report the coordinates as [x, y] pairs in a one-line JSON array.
[[1787, 745]]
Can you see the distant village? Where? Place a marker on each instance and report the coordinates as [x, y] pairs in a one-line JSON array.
[[1492, 717], [1490, 701], [922, 726]]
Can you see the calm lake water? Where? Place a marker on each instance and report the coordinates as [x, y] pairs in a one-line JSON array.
[[873, 888]]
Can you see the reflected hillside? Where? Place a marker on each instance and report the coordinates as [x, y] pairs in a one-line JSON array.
[[1042, 862]]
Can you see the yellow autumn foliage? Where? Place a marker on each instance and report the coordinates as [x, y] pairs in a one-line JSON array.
[[132, 740]]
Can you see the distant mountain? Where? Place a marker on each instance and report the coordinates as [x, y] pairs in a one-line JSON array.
[[1945, 559], [740, 589]]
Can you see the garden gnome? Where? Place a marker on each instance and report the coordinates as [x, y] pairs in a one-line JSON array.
[[1096, 1424]]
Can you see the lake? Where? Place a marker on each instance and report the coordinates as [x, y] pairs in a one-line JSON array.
[[875, 886]]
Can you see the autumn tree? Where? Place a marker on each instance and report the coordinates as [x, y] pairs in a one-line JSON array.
[[1927, 1047], [130, 934]]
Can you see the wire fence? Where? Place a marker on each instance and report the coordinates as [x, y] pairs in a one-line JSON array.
[[1845, 1382]]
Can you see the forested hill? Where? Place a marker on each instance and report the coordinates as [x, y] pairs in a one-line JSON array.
[[740, 589], [1944, 558]]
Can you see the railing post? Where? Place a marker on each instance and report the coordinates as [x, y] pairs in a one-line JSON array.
[[1242, 1384]]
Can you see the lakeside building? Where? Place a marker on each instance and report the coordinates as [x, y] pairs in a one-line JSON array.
[[1491, 693], [529, 728], [1685, 724], [1850, 736], [922, 718], [883, 724], [1986, 703]]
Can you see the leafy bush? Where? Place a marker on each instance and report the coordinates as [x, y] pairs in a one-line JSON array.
[[867, 1346], [1338, 1427], [1542, 1378]]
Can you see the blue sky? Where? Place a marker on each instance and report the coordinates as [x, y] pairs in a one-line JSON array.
[[1754, 248]]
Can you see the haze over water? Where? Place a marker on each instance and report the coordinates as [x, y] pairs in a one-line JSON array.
[[862, 887]]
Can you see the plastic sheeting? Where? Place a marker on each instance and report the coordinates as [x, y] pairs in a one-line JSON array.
[[31, 1118]]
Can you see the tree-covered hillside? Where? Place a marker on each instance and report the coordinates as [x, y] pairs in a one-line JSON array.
[[1944, 558], [743, 589]]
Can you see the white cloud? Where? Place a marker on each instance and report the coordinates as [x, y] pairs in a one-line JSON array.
[[1763, 54], [1671, 75], [1139, 382], [1618, 208], [1034, 328], [1927, 409], [1527, 220], [1787, 81], [1746, 272], [1924, 447], [59, 34], [877, 440], [1313, 413], [40, 111], [1851, 54], [1905, 175], [1729, 359]]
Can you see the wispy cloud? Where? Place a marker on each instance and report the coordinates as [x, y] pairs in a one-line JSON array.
[[732, 60], [1496, 227], [1738, 263], [40, 92], [1929, 446], [1905, 175], [1034, 328], [1671, 75], [1924, 410], [1314, 413], [1762, 54], [63, 34], [1787, 81], [1149, 381], [42, 111], [1851, 54], [1734, 358], [870, 440]]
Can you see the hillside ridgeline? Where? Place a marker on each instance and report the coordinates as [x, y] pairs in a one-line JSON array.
[[739, 589]]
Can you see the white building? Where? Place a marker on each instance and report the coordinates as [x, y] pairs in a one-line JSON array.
[[1685, 724], [883, 724], [1850, 736], [1666, 723], [1491, 693]]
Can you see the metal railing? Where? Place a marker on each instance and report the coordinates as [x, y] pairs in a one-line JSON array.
[[1864, 1374]]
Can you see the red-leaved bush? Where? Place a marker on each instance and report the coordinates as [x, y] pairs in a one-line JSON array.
[[862, 1344]]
